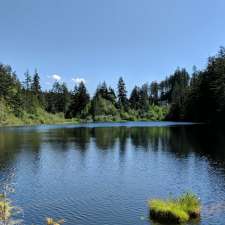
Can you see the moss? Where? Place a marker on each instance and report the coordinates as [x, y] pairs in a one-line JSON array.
[[176, 210]]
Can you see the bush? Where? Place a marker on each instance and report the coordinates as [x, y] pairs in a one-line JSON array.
[[40, 116], [156, 112], [131, 115]]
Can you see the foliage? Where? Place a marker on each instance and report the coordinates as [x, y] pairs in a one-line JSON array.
[[156, 112], [102, 107], [79, 99], [180, 96], [40, 116], [176, 210]]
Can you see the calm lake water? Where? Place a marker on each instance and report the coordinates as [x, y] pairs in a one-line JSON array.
[[104, 173]]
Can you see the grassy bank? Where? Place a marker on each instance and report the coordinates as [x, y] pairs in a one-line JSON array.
[[8, 117], [175, 210], [38, 116]]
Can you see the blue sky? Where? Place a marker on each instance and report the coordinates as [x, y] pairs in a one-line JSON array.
[[97, 40]]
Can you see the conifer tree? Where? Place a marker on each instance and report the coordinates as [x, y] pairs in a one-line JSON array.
[[122, 94]]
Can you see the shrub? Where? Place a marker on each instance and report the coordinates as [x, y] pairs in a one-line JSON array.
[[156, 112]]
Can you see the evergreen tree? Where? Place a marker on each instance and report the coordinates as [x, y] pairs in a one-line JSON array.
[[102, 90], [111, 96], [6, 81], [65, 98], [80, 98], [154, 89], [144, 98], [36, 89], [122, 94], [35, 85], [135, 98], [58, 99], [30, 102], [106, 93], [27, 82]]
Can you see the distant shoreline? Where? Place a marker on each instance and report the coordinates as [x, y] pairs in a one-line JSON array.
[[99, 122]]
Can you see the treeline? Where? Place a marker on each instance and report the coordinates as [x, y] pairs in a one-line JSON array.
[[199, 96], [26, 99]]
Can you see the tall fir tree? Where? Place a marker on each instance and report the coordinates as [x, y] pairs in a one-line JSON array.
[[122, 95], [135, 98], [80, 98], [35, 85]]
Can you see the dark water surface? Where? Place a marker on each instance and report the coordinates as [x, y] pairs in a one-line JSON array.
[[103, 174]]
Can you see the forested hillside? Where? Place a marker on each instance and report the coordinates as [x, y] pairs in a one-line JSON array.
[[199, 96]]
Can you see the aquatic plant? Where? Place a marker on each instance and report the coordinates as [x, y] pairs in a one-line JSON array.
[[5, 208], [176, 210], [8, 211], [190, 203], [51, 221]]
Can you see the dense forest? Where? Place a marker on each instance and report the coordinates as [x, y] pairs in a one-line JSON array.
[[199, 97]]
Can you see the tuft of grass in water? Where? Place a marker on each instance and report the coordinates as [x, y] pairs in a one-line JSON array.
[[5, 210], [190, 203], [8, 211], [167, 211], [51, 221], [176, 210]]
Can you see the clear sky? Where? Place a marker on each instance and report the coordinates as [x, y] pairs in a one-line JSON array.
[[97, 40]]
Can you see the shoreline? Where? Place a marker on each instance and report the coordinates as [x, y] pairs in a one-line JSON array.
[[82, 122]]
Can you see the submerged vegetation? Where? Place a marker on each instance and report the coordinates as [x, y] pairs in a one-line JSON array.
[[181, 96], [176, 210]]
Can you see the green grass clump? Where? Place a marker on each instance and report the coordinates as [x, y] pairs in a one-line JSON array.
[[176, 210], [190, 203]]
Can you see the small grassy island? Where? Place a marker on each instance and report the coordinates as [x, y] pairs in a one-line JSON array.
[[175, 210]]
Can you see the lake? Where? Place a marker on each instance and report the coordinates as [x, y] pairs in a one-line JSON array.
[[104, 173]]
